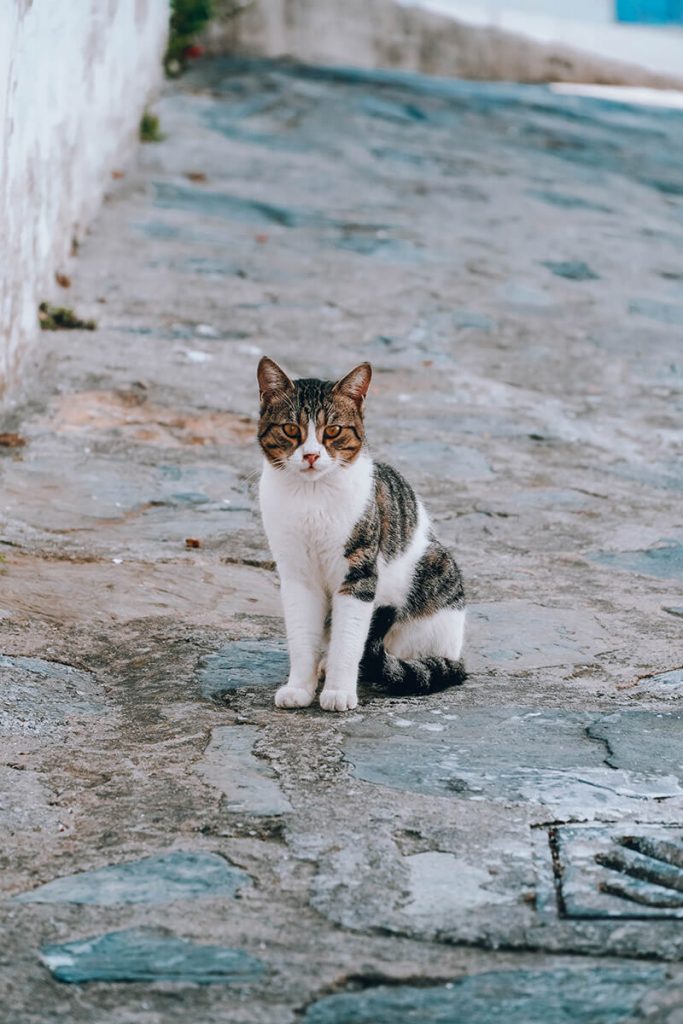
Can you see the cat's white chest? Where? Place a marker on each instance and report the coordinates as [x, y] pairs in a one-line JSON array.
[[308, 525]]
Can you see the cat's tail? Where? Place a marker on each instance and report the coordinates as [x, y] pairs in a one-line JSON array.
[[397, 677]]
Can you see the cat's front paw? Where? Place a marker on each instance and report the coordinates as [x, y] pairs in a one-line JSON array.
[[338, 700], [294, 697]]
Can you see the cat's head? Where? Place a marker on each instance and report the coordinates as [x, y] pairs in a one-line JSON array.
[[311, 427]]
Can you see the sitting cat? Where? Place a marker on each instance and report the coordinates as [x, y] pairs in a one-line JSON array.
[[358, 562]]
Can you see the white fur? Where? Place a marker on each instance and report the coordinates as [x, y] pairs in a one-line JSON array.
[[438, 635], [308, 515], [395, 577]]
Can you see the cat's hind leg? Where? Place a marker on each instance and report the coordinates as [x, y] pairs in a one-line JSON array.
[[419, 655], [437, 635]]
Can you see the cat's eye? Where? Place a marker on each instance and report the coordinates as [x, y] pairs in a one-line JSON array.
[[332, 431], [290, 429]]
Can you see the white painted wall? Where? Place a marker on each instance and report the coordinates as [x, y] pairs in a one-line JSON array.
[[75, 76]]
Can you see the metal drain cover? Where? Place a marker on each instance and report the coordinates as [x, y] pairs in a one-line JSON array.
[[621, 871]]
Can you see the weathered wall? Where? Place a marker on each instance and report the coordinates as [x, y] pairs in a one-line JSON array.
[[385, 34], [74, 79]]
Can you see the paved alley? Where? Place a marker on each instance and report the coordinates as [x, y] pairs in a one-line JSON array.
[[176, 849]]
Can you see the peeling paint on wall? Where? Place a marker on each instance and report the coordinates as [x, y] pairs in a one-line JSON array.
[[74, 79]]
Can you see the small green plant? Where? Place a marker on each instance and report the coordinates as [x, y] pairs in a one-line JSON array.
[[61, 318], [150, 129], [188, 17]]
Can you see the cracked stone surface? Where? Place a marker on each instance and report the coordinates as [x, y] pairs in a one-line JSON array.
[[509, 260], [248, 783], [520, 755]]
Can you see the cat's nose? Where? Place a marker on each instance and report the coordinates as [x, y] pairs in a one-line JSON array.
[[311, 458]]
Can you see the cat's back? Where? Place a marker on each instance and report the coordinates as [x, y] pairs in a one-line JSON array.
[[399, 511]]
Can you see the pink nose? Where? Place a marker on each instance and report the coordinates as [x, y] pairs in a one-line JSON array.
[[311, 458]]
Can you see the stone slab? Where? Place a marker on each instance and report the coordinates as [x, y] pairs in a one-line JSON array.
[[443, 885], [585, 995], [572, 270], [665, 684], [644, 742], [242, 664], [40, 698], [147, 954], [572, 762], [515, 636], [664, 561], [180, 875], [249, 784]]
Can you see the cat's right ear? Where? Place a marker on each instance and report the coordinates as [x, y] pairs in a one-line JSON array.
[[272, 380]]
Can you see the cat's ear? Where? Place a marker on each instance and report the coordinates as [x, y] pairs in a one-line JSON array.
[[355, 384], [272, 380]]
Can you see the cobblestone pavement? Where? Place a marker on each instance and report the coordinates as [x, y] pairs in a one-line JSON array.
[[512, 264]]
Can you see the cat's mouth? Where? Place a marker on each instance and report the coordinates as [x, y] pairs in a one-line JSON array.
[[313, 471]]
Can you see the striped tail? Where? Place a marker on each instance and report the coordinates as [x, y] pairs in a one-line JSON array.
[[396, 677]]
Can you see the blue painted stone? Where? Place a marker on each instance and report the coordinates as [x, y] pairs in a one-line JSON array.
[[148, 954], [572, 270], [244, 663], [598, 995], [664, 561], [173, 876]]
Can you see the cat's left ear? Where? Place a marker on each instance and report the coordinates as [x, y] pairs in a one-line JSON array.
[[355, 384]]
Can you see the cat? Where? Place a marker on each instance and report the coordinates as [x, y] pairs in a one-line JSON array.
[[361, 571]]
